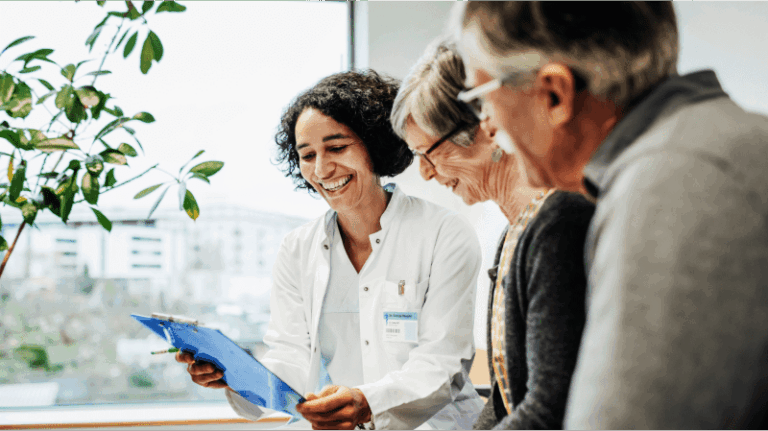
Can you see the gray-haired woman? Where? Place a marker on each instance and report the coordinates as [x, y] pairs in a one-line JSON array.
[[536, 305]]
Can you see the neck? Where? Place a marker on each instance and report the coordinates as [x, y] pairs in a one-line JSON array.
[[507, 189], [358, 223], [586, 132]]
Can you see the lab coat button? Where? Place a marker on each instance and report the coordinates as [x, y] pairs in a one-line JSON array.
[[325, 246], [378, 241], [365, 288], [315, 350], [366, 342]]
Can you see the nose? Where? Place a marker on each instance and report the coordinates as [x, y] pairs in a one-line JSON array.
[[324, 167], [426, 169]]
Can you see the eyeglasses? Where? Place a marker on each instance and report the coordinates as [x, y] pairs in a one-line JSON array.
[[472, 98], [446, 137]]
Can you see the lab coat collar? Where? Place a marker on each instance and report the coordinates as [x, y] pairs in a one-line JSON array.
[[390, 213]]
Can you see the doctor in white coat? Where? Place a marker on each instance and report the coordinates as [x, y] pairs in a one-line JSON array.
[[372, 304]]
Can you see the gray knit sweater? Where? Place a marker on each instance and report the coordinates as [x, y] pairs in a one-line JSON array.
[[544, 293]]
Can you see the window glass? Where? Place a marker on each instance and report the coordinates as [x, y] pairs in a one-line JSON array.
[[228, 71]]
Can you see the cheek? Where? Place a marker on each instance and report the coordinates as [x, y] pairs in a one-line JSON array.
[[468, 170]]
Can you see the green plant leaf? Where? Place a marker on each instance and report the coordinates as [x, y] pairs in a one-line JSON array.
[[157, 46], [114, 157], [122, 38], [207, 168], [48, 175], [147, 54], [17, 183], [146, 6], [130, 44], [3, 244], [20, 104], [68, 72], [98, 73], [68, 190], [95, 165], [46, 84], [96, 110], [16, 42], [29, 212], [190, 205], [64, 97], [6, 88], [127, 150], [109, 128], [11, 136], [75, 111], [147, 191], [132, 13], [30, 69], [103, 220], [170, 6], [101, 2], [88, 96], [201, 177], [51, 200], [90, 188], [110, 181], [144, 117], [95, 35], [40, 54], [157, 202], [10, 170], [74, 165], [56, 144], [45, 97]]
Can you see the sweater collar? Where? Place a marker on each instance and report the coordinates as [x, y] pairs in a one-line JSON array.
[[673, 93]]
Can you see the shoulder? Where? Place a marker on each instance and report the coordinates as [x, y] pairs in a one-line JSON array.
[[426, 218], [560, 227], [305, 233], [562, 210]]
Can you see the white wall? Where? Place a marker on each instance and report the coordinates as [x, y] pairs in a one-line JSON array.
[[727, 37]]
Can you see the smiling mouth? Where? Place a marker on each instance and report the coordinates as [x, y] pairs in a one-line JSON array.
[[336, 185]]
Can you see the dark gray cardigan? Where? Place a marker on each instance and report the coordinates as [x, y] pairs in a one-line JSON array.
[[544, 294]]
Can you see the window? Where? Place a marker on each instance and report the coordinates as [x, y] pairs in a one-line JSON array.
[[66, 336]]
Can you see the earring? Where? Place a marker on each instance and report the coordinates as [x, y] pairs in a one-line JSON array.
[[496, 155]]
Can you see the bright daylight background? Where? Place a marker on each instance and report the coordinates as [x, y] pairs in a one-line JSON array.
[[228, 71]]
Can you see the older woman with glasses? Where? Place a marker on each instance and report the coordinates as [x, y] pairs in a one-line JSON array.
[[536, 309]]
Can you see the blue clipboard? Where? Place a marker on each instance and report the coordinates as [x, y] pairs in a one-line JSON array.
[[242, 372]]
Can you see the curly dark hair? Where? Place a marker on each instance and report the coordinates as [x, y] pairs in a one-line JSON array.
[[362, 101]]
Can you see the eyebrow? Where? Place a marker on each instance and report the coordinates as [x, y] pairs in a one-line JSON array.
[[325, 139]]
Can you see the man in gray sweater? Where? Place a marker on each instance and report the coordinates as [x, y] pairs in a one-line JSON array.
[[677, 252]]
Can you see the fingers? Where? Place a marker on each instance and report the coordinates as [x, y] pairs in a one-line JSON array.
[[184, 357], [347, 413], [334, 398], [334, 426]]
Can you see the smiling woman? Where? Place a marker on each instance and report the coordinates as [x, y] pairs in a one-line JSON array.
[[358, 307]]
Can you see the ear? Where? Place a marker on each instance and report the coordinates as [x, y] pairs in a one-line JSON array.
[[558, 85], [488, 128]]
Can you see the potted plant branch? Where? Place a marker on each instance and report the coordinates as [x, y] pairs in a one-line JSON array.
[[63, 162]]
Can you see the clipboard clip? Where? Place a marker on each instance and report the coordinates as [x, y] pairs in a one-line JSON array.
[[176, 319]]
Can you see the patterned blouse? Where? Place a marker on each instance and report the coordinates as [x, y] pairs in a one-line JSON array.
[[498, 328]]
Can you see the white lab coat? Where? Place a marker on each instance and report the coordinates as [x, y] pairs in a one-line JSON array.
[[436, 252]]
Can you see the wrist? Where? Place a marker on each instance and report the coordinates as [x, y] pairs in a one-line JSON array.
[[364, 407]]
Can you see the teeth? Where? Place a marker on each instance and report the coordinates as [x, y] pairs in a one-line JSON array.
[[336, 185]]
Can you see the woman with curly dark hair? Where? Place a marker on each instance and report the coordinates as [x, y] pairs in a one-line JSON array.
[[372, 304]]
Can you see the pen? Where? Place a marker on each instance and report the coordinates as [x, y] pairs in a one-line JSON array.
[[171, 350]]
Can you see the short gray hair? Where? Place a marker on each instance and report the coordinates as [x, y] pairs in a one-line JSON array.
[[428, 95], [621, 49]]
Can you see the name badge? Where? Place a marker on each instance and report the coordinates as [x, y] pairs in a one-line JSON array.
[[401, 326]]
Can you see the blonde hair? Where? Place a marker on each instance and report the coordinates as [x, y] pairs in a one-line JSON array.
[[428, 95]]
